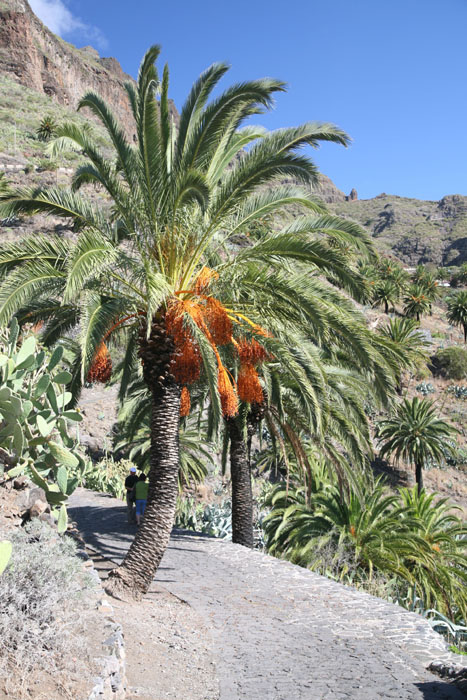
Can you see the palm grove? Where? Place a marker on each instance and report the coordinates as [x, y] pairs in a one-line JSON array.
[[241, 334]]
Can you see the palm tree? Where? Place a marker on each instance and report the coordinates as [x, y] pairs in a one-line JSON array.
[[457, 311], [415, 434], [391, 271], [385, 293], [364, 528], [411, 345], [149, 273], [443, 584], [417, 301]]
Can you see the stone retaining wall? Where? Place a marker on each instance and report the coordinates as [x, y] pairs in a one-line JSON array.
[[111, 682]]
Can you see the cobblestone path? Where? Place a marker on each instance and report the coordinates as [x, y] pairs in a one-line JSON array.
[[280, 632]]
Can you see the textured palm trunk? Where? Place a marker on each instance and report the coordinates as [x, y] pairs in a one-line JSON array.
[[419, 477], [133, 578], [242, 497]]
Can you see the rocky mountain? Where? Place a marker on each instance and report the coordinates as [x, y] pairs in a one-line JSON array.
[[42, 74], [413, 230], [35, 57]]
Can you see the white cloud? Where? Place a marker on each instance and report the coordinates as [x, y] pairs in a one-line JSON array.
[[60, 20]]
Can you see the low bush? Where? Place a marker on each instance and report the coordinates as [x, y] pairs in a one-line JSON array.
[[451, 362], [45, 608], [107, 476]]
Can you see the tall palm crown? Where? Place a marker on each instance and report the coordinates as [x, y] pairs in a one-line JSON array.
[[412, 345], [457, 311], [152, 272], [415, 434]]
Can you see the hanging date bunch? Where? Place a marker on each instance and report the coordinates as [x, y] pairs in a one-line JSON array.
[[250, 354], [205, 311], [101, 367]]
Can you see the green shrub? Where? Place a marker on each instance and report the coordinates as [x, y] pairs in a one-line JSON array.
[[451, 362], [45, 608], [373, 539], [107, 476], [48, 164]]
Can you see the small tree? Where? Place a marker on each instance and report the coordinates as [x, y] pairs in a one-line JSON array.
[[416, 435], [457, 311], [47, 128], [416, 302], [410, 342], [385, 293]]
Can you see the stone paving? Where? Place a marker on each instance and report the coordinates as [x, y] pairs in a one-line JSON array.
[[280, 632]]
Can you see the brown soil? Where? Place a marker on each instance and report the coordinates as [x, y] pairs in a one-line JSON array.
[[166, 644]]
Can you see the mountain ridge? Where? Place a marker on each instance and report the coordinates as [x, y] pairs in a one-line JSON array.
[[414, 231]]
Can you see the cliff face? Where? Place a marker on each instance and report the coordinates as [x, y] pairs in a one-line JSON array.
[[33, 56]]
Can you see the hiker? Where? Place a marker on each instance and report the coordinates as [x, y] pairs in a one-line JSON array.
[[130, 482], [141, 495]]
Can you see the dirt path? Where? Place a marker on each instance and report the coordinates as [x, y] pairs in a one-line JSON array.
[[278, 632], [167, 646]]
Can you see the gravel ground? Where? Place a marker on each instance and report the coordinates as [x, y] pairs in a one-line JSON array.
[[167, 645]]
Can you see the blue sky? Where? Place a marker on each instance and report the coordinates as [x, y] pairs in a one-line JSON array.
[[391, 73]]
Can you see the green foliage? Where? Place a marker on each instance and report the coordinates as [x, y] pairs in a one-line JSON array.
[[34, 417], [460, 276], [416, 301], [371, 537], [457, 311], [47, 128], [107, 476], [451, 362], [415, 434], [48, 164], [385, 294]]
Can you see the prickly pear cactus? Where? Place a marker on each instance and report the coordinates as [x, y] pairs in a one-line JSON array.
[[34, 420], [5, 554]]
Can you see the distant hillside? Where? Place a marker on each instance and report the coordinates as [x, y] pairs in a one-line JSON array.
[[413, 230], [41, 74]]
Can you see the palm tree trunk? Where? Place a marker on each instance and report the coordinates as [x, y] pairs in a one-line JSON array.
[[133, 577], [419, 476], [242, 497], [465, 333]]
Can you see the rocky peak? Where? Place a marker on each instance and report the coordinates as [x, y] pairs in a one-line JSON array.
[[327, 191], [452, 205]]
